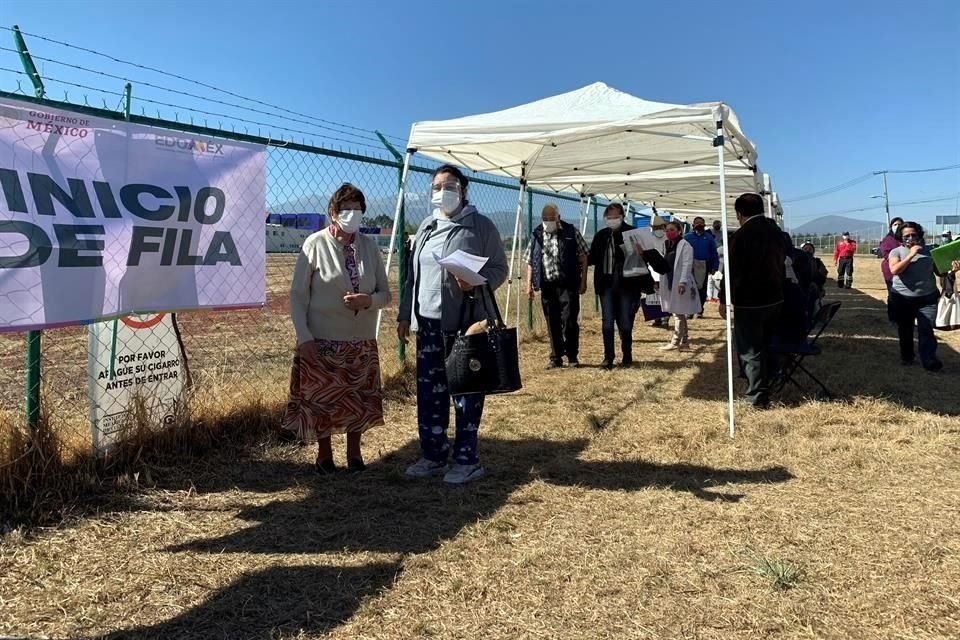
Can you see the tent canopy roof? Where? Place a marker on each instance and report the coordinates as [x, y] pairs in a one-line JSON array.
[[600, 141]]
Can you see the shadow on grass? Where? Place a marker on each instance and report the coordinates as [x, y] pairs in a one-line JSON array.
[[860, 357], [382, 511]]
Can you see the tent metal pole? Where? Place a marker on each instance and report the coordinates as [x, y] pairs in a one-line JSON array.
[[396, 219], [518, 269], [516, 234], [719, 142], [584, 207], [768, 196]]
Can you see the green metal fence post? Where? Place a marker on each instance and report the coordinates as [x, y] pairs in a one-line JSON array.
[[127, 98], [27, 62], [34, 338], [401, 224], [596, 226], [529, 240]]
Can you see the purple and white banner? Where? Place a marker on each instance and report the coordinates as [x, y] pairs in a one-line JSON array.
[[100, 218]]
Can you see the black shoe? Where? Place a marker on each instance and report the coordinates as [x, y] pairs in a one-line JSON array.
[[699, 316], [574, 364], [606, 364], [934, 366], [553, 364], [355, 465], [626, 363], [907, 363], [326, 467]]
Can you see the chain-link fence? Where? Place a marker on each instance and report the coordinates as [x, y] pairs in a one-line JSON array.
[[238, 359], [825, 243]]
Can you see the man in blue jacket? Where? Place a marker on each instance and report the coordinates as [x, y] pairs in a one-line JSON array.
[[557, 268], [706, 261]]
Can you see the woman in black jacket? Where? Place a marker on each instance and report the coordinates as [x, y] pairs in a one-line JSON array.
[[619, 296]]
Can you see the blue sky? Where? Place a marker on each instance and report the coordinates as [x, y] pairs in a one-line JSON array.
[[827, 90]]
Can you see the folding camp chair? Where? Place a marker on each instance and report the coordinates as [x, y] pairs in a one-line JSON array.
[[794, 354]]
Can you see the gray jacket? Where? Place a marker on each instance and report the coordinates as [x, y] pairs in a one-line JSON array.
[[474, 233]]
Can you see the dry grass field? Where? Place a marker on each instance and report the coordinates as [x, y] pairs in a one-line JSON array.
[[615, 506]]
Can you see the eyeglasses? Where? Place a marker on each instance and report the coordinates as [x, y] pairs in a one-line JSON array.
[[910, 236], [449, 185]]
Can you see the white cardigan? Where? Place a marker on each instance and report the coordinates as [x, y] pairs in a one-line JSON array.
[[320, 281], [671, 301]]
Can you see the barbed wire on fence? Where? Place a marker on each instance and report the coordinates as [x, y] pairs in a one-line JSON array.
[[194, 82]]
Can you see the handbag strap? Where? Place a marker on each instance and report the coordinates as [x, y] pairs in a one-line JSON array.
[[487, 293], [489, 301]]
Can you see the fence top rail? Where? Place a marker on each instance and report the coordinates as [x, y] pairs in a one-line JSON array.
[[255, 139]]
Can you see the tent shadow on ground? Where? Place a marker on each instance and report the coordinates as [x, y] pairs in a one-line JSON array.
[[380, 511], [860, 358]]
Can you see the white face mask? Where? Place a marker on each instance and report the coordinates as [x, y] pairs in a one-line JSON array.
[[613, 223], [551, 227], [660, 233], [894, 227], [445, 201], [350, 220]]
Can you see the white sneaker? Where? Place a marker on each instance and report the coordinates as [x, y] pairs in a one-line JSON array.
[[464, 473], [424, 468], [670, 346]]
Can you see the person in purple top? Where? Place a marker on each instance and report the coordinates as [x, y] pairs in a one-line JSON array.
[[890, 242]]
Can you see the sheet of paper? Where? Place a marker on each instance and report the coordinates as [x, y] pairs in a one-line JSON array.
[[463, 265], [638, 240]]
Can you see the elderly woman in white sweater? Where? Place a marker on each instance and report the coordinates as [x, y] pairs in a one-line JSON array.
[[680, 296], [339, 284]]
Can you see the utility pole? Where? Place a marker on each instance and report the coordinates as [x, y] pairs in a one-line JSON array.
[[886, 197]]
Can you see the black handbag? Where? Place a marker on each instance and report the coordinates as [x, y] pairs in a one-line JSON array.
[[487, 362]]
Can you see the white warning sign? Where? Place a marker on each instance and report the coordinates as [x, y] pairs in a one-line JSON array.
[[135, 366]]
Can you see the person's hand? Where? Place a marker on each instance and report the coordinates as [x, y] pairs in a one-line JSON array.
[[915, 249], [955, 265], [583, 288], [723, 311], [464, 285], [357, 301], [403, 331], [530, 292], [682, 288]]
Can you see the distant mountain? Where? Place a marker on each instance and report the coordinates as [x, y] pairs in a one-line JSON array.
[[835, 225]]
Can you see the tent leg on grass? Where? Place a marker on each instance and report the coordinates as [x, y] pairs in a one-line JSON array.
[[394, 231], [516, 235], [726, 272]]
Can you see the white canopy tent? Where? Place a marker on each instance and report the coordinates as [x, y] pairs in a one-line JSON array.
[[598, 141]]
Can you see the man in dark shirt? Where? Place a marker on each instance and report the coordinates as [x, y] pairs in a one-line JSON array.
[[756, 281]]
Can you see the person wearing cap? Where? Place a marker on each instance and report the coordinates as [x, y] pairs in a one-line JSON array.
[[658, 228], [843, 260], [717, 232], [946, 237], [557, 268]]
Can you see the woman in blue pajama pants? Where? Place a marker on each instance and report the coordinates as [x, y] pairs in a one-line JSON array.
[[437, 306]]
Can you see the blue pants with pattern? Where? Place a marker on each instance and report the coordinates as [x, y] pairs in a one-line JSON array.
[[433, 402]]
